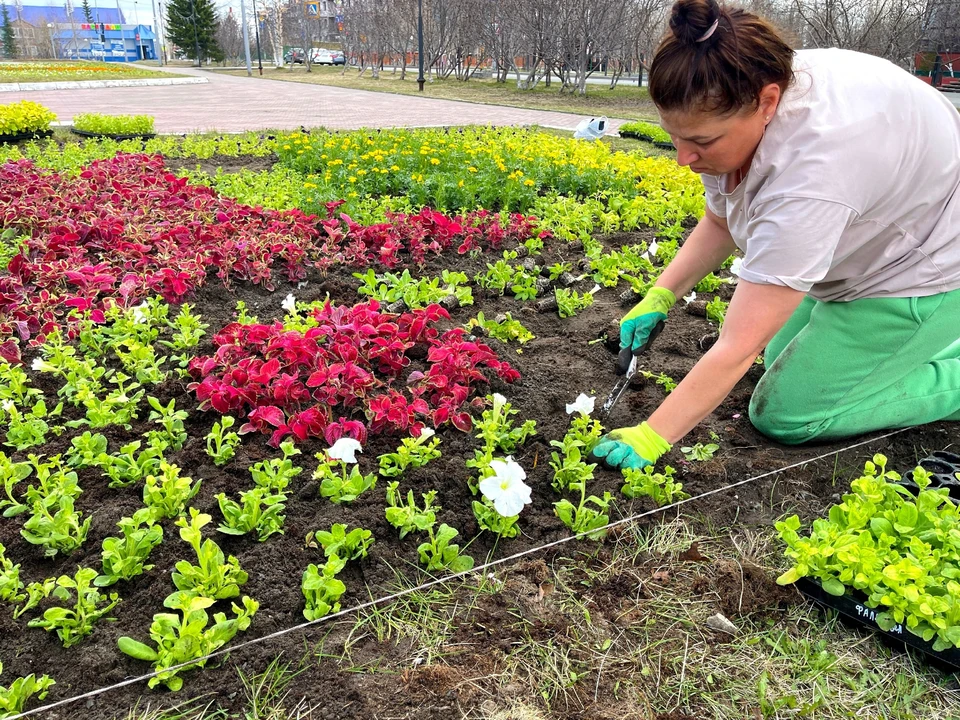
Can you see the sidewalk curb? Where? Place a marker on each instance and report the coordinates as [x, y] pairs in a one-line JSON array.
[[92, 84]]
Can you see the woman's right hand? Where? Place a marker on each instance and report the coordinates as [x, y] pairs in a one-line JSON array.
[[636, 325]]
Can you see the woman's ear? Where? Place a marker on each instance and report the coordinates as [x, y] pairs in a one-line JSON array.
[[769, 100]]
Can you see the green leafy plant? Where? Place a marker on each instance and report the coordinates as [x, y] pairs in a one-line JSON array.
[[645, 129], [128, 466], [11, 473], [86, 450], [28, 429], [570, 302], [188, 329], [661, 487], [172, 434], [183, 637], [10, 583], [276, 473], [414, 452], [717, 310], [167, 493], [347, 545], [114, 124], [700, 452], [55, 525], [440, 554], [899, 550], [221, 442], [214, 577], [74, 624], [506, 329], [259, 509], [321, 589], [568, 464], [415, 293], [13, 699], [406, 516], [125, 557], [25, 117], [496, 429], [14, 382], [342, 487]]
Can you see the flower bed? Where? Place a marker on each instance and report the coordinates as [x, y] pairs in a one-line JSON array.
[[292, 437]]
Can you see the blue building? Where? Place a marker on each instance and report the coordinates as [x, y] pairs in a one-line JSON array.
[[110, 38]]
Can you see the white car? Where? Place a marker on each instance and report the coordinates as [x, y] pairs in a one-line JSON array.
[[322, 56]]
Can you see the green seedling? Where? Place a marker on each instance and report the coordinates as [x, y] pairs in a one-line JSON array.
[[700, 452], [351, 545], [414, 452], [221, 442], [321, 589], [13, 699], [167, 493], [183, 637], [661, 487], [259, 510], [440, 554], [406, 516], [72, 624], [214, 577], [124, 558]]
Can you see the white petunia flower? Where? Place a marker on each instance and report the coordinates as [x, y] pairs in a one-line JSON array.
[[138, 313], [289, 304], [427, 433], [38, 364], [735, 267], [506, 488], [7, 405], [652, 249], [691, 297], [499, 400], [345, 449], [584, 405]]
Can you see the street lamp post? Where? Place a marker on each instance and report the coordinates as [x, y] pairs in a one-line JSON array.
[[246, 35], [420, 43], [157, 42]]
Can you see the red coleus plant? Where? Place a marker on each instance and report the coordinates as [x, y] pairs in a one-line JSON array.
[[293, 383], [127, 226]]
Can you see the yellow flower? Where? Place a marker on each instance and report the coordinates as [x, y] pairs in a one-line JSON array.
[[338, 161], [351, 194], [472, 169], [460, 184], [434, 161], [352, 179], [286, 147], [528, 182], [394, 167], [323, 156], [299, 152], [362, 172]]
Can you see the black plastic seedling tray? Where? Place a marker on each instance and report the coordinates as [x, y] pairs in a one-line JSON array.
[[851, 605]]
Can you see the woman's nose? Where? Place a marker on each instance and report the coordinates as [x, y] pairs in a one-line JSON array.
[[685, 156]]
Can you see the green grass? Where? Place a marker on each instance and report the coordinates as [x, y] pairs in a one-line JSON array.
[[625, 101], [73, 71]]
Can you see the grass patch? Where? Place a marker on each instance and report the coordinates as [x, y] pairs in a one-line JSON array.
[[624, 101], [71, 71]]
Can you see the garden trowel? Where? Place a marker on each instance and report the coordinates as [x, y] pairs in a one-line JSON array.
[[627, 366]]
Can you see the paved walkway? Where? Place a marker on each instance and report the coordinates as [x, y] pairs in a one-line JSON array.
[[232, 104]]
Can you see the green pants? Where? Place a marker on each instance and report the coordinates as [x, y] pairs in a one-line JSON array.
[[838, 369]]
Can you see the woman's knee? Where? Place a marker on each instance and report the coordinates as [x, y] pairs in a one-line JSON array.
[[783, 420]]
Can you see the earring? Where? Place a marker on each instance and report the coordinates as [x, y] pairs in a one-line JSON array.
[[767, 118]]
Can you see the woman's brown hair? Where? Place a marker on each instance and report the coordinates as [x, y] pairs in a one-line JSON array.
[[716, 59]]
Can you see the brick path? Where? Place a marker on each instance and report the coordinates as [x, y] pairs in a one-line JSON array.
[[230, 104]]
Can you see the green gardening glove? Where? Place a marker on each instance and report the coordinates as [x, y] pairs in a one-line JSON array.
[[636, 325], [632, 447]]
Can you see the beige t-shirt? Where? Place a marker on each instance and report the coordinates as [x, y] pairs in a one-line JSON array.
[[853, 191]]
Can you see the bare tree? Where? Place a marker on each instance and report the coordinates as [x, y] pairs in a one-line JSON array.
[[230, 37]]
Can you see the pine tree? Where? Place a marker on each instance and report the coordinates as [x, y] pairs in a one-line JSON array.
[[7, 37], [87, 13], [192, 25]]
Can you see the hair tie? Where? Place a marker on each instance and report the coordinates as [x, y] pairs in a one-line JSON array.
[[709, 32]]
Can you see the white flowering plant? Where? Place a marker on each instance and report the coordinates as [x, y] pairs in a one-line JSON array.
[[347, 485], [504, 496]]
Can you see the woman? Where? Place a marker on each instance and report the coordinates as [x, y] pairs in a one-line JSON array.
[[836, 174]]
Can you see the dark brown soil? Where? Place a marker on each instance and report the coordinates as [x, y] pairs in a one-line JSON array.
[[226, 163], [561, 362]]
